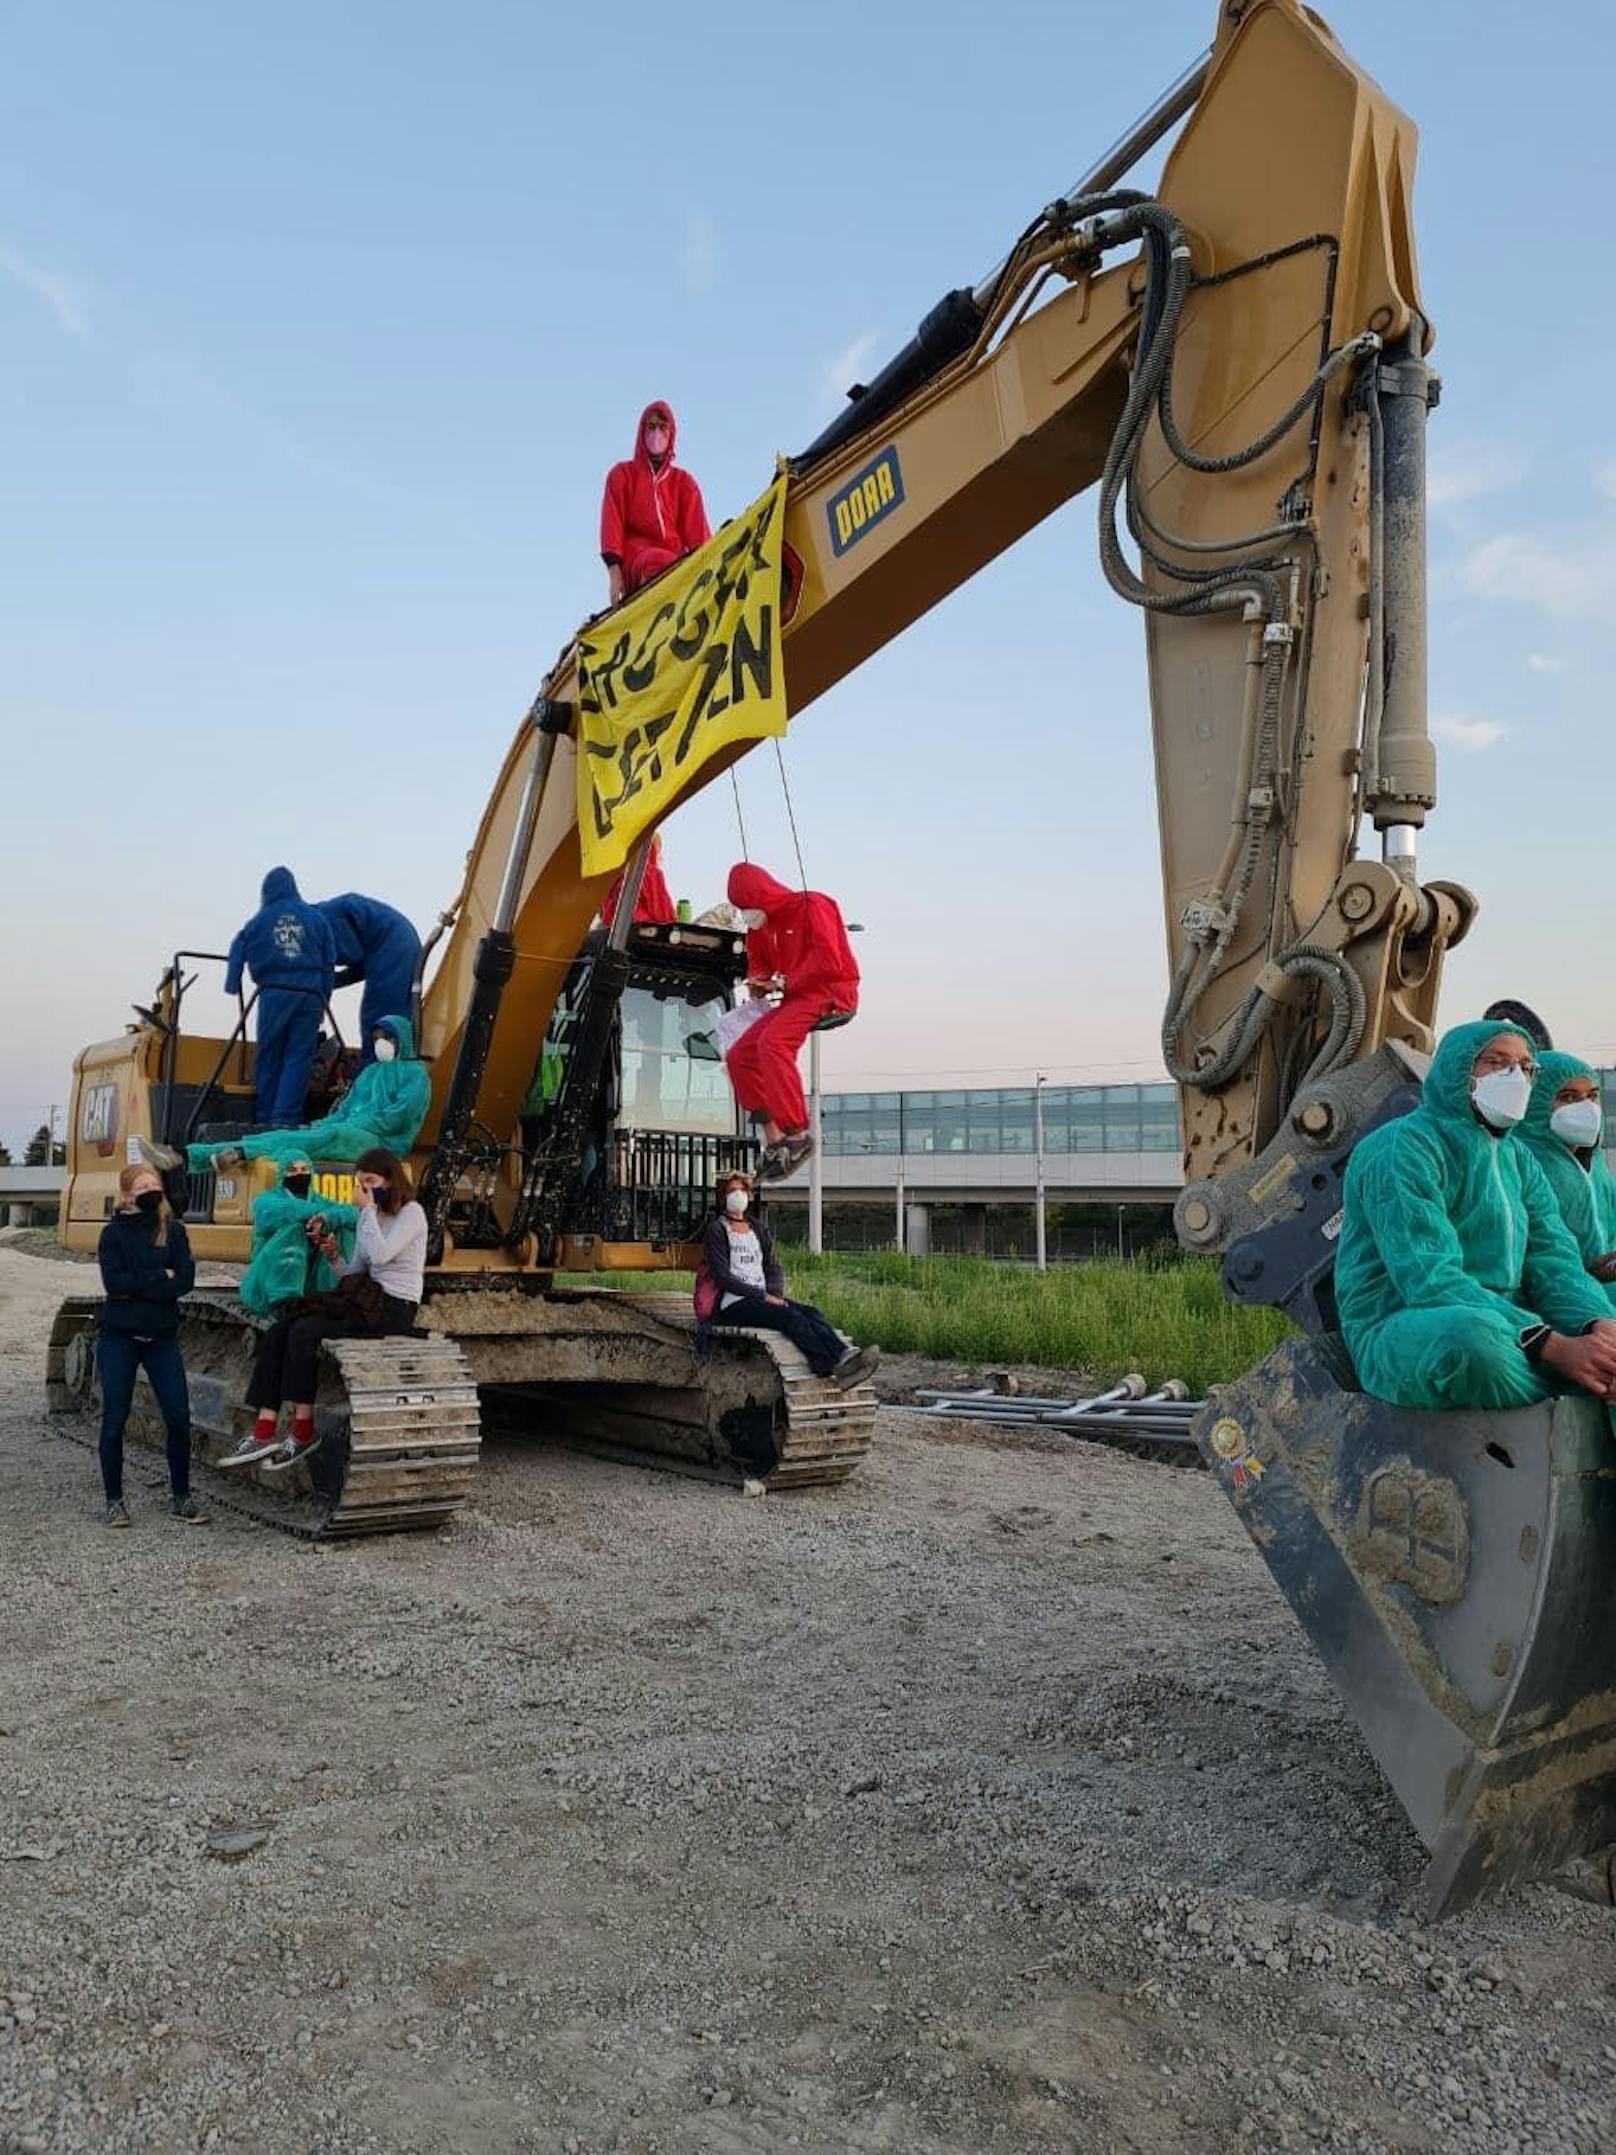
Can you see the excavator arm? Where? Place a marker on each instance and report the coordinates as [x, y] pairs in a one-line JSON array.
[[1236, 363]]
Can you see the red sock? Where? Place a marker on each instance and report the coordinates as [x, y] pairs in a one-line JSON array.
[[264, 1427], [303, 1426]]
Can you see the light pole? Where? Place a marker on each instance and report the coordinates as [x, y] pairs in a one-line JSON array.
[[1038, 1152], [816, 1165]]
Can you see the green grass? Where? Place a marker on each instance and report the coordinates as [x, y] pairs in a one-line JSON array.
[[1164, 1316]]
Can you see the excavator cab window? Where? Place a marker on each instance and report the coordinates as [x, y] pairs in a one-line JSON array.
[[672, 1076]]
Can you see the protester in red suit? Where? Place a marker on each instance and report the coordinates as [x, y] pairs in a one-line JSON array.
[[655, 904], [799, 935], [651, 514]]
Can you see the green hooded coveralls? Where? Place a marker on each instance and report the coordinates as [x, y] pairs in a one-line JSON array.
[[1452, 1248], [1586, 1195], [385, 1105], [280, 1269]]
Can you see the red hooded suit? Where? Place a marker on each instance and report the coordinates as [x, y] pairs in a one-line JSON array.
[[649, 518], [803, 940], [654, 905]]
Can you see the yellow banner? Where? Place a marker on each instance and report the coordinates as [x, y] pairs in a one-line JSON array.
[[689, 665]]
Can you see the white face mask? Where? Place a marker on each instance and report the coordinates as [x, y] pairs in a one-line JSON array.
[[1501, 1097], [751, 917], [735, 1204], [1578, 1123], [385, 1050]]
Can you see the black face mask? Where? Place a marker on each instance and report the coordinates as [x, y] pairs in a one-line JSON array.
[[298, 1185], [148, 1201]]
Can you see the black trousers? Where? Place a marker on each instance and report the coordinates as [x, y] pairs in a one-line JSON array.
[[801, 1323], [287, 1363]]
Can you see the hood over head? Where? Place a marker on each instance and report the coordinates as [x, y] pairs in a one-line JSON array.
[[1554, 1069], [755, 890], [1447, 1083], [290, 1166], [402, 1034], [279, 884], [641, 453]]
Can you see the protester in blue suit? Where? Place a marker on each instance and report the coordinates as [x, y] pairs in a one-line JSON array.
[[287, 947], [377, 945]]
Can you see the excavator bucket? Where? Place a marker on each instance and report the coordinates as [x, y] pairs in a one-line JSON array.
[[1455, 1572]]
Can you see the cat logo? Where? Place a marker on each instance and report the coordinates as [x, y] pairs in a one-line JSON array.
[[98, 1119], [868, 496]]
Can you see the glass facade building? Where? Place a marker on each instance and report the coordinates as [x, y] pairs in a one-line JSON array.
[[1077, 1118]]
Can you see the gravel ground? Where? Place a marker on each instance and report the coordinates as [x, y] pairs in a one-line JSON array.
[[992, 1802]]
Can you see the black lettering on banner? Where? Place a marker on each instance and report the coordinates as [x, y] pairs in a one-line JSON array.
[[637, 758], [601, 685], [641, 669], [756, 658], [713, 661], [688, 635]]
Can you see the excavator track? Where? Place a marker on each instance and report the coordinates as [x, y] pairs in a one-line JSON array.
[[617, 1374], [397, 1419]]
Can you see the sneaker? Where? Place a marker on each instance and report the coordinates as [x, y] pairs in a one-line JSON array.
[[786, 1157], [117, 1512], [188, 1509], [855, 1366], [247, 1452], [288, 1452], [228, 1158], [161, 1157]]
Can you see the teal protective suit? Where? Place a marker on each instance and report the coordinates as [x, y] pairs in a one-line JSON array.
[[285, 1264], [1452, 1247], [386, 1105], [1585, 1194]]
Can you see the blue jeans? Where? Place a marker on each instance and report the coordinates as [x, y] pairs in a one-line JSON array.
[[119, 1358]]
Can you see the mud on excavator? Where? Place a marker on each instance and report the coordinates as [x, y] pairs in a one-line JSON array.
[[1237, 361]]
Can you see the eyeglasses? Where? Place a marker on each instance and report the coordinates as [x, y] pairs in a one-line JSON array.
[[1488, 1063]]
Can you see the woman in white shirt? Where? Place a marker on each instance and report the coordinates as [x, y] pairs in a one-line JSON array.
[[740, 1283], [377, 1294]]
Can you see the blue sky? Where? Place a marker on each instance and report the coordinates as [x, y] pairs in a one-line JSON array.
[[319, 326]]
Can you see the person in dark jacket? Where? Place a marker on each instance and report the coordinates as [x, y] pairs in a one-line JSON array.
[[650, 514], [146, 1266], [377, 945], [741, 1274], [288, 948]]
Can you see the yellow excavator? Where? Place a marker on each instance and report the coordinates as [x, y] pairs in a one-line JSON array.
[[1237, 362]]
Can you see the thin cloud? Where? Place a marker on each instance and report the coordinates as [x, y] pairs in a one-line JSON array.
[[838, 375], [1605, 480], [1541, 662], [66, 300], [1469, 471], [1569, 576], [699, 256], [1471, 735]]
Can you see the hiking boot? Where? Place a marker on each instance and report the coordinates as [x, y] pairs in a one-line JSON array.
[[248, 1452], [163, 1158], [855, 1366], [288, 1452], [188, 1509], [227, 1159], [117, 1512]]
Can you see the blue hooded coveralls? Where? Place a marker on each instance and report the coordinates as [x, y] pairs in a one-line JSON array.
[[385, 1105], [287, 947], [375, 944], [1583, 1188], [285, 1264], [1452, 1248]]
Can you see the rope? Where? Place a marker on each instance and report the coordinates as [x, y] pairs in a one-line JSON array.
[[791, 813], [735, 788]]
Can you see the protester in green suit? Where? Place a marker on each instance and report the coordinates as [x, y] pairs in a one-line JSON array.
[[1458, 1283]]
